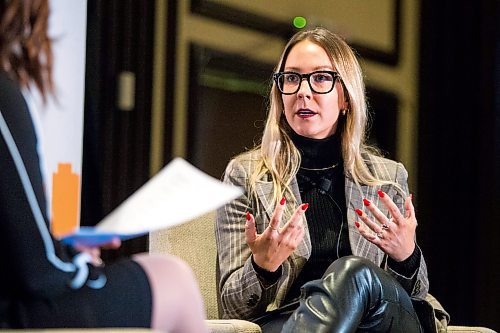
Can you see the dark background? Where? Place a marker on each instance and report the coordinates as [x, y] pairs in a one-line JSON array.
[[458, 199], [459, 156]]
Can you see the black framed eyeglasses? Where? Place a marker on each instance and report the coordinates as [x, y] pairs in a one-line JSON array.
[[320, 82]]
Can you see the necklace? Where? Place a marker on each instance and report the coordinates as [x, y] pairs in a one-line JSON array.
[[320, 169]]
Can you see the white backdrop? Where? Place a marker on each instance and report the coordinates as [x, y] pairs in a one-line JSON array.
[[61, 119]]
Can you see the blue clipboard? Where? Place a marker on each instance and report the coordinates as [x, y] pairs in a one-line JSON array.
[[89, 236]]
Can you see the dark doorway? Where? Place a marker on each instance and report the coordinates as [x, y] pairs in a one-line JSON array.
[[116, 142], [227, 107]]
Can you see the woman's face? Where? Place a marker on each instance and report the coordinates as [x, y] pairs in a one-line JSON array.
[[310, 114]]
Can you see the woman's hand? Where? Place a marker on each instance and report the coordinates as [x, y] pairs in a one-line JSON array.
[[271, 248], [396, 235], [95, 252]]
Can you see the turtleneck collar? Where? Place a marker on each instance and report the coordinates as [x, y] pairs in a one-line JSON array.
[[318, 153]]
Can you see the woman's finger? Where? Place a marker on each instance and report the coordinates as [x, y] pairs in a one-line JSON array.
[[299, 236], [409, 208], [377, 214], [294, 229], [295, 222], [113, 244], [367, 235], [274, 224], [94, 252], [297, 216], [391, 207], [286, 241], [250, 230], [375, 227], [292, 235]]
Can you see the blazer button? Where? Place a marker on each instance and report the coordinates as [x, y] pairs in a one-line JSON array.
[[253, 300]]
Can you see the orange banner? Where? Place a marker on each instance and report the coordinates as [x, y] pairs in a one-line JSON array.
[[65, 200]]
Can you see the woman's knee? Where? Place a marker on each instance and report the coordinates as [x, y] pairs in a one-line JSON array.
[[165, 269], [177, 301], [351, 265], [171, 280], [367, 276]]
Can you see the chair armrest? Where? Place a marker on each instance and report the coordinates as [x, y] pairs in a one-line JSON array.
[[469, 329], [232, 326]]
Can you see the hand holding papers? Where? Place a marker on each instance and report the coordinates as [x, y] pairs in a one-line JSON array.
[[177, 194]]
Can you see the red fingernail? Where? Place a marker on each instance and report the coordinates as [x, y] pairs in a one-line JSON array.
[[357, 224], [248, 216], [359, 212], [366, 202], [380, 193], [283, 200], [304, 206]]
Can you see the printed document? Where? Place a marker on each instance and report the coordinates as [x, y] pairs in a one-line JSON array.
[[178, 193]]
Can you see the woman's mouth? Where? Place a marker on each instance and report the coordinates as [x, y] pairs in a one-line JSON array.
[[305, 113]]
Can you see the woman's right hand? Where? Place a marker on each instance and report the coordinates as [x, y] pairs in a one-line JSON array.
[[271, 248]]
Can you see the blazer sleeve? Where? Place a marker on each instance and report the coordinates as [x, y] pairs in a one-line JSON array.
[[416, 285], [26, 271], [242, 295]]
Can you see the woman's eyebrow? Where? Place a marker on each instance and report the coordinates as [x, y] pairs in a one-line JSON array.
[[319, 68]]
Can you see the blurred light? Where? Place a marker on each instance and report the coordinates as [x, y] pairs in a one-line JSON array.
[[299, 22]]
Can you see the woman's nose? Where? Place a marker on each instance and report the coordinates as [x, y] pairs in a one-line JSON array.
[[304, 89]]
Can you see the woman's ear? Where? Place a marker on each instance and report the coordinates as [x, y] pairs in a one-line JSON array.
[[343, 98], [345, 107]]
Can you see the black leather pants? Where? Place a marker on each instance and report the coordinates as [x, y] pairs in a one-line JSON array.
[[354, 295]]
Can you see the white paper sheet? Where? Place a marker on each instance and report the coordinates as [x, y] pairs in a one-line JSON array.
[[177, 194]]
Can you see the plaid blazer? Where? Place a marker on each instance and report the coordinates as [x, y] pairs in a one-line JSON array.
[[241, 293]]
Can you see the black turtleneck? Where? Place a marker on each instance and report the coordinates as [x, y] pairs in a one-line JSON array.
[[322, 185]]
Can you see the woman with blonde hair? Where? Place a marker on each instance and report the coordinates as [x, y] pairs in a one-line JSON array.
[[44, 283], [323, 239]]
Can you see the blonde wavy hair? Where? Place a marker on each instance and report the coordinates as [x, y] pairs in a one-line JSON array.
[[278, 155]]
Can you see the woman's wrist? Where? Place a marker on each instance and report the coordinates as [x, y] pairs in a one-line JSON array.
[[408, 266], [266, 277]]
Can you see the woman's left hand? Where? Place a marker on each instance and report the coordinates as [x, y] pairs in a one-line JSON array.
[[95, 251], [396, 235]]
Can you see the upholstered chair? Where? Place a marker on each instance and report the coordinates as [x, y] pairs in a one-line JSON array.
[[194, 242]]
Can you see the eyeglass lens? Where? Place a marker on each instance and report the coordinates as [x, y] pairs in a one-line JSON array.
[[319, 82]]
